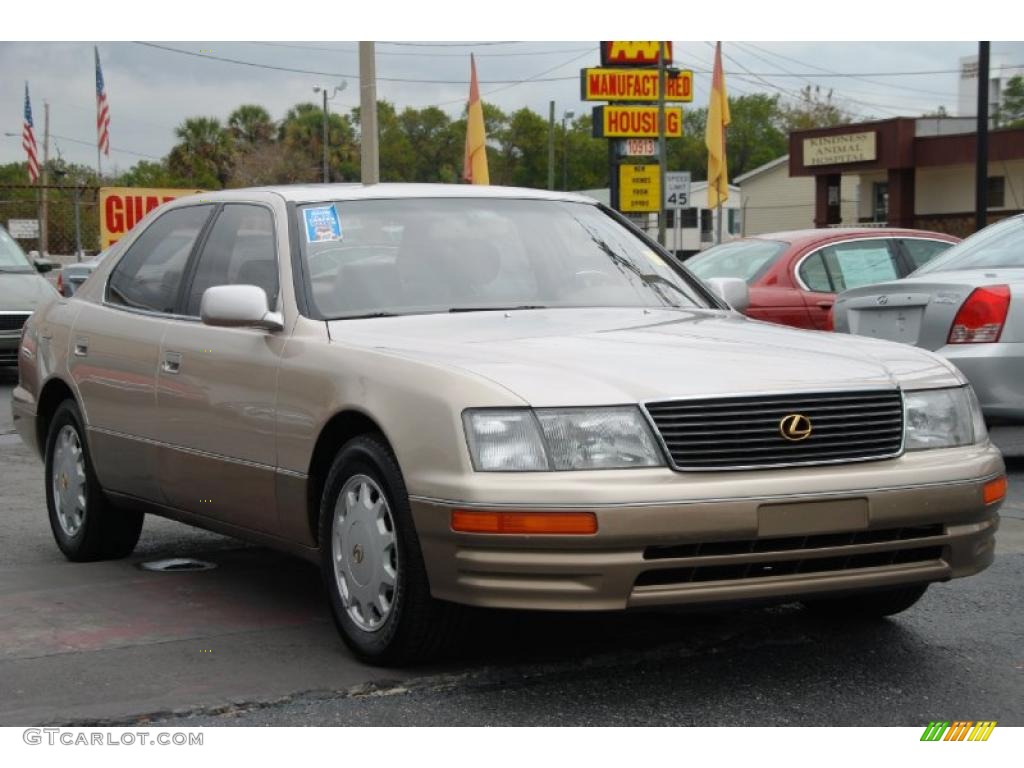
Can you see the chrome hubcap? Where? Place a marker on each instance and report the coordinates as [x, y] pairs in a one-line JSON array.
[[68, 480], [365, 552]]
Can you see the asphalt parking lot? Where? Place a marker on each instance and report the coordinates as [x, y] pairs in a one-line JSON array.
[[251, 643]]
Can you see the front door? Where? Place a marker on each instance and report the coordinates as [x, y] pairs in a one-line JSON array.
[[217, 387]]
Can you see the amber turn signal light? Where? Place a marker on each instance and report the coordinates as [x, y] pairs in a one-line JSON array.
[[466, 521], [994, 490]]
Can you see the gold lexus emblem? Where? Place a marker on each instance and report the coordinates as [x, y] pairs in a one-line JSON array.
[[357, 554], [795, 427]]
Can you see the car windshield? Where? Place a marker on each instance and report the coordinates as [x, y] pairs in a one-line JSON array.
[[12, 258], [419, 255], [745, 259], [998, 245]]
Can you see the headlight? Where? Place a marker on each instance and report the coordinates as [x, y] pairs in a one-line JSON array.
[[942, 418], [522, 439]]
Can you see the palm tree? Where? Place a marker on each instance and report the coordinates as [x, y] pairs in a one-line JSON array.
[[251, 124], [203, 153]]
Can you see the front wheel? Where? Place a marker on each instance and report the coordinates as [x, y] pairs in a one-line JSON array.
[[372, 564], [85, 525], [869, 605]]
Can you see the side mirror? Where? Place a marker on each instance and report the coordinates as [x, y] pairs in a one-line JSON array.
[[732, 290], [42, 266], [238, 306]]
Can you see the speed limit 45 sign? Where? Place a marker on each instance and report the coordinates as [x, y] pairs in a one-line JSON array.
[[677, 189]]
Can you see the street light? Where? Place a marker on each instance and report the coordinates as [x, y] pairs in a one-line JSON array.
[[337, 89], [567, 115]]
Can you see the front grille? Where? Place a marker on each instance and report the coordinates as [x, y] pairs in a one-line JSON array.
[[12, 322], [745, 432], [763, 569]]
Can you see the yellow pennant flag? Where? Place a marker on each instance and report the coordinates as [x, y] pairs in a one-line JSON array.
[[475, 168], [714, 135]]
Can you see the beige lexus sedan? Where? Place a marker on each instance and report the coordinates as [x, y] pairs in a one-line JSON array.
[[453, 395]]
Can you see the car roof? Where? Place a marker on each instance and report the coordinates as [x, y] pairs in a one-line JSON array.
[[802, 237], [310, 193]]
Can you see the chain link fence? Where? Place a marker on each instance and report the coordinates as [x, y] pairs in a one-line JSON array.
[[73, 217]]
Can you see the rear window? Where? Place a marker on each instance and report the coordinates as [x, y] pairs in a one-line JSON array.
[[998, 245], [745, 259]]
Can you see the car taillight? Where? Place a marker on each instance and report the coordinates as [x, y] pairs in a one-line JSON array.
[[981, 318], [60, 282]]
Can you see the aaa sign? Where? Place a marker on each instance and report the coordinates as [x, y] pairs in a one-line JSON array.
[[121, 208]]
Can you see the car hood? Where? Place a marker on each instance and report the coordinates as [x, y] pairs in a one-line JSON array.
[[23, 290], [606, 356]]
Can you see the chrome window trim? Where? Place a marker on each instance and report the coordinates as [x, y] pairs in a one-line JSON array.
[[810, 463], [170, 315], [888, 238]]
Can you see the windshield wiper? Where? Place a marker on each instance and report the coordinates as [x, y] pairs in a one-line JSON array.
[[367, 315], [497, 309]]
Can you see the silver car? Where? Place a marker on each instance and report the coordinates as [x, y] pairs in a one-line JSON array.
[[73, 275], [967, 305], [21, 291]]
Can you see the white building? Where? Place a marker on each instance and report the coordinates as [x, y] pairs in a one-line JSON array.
[[1000, 72], [696, 227]]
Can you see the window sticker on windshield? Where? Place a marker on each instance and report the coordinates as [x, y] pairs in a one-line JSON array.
[[322, 224]]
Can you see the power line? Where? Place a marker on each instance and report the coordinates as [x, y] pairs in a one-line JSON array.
[[431, 54], [90, 144], [452, 45], [225, 59]]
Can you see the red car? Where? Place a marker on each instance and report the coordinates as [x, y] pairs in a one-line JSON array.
[[794, 276]]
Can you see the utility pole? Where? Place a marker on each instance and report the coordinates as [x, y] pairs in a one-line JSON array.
[[327, 171], [981, 153], [44, 210], [662, 151], [369, 138], [551, 145], [568, 115]]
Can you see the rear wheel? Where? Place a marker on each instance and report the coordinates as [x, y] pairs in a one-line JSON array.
[[869, 605], [85, 525], [372, 564]]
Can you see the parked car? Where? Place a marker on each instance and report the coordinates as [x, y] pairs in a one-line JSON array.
[[510, 398], [73, 275], [795, 276], [21, 290], [967, 306]]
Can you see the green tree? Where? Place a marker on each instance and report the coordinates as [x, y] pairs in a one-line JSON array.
[[203, 154], [755, 135], [814, 109], [301, 133], [1011, 112], [146, 173], [250, 124]]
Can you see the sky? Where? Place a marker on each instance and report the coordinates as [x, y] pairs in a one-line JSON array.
[[151, 90]]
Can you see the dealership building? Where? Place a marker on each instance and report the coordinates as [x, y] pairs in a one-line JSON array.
[[901, 172]]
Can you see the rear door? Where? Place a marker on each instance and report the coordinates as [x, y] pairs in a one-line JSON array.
[[115, 346], [217, 387], [844, 265]]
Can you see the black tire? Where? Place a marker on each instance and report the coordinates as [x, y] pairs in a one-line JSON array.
[[869, 605], [416, 627], [104, 532]]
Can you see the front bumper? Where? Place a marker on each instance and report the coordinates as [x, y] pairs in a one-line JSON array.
[[714, 549], [996, 371]]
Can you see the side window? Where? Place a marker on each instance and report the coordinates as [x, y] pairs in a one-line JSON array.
[[239, 251], [923, 251], [859, 262], [149, 275], [814, 274]]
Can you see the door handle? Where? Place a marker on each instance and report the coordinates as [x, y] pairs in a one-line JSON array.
[[81, 346], [171, 362], [825, 304]]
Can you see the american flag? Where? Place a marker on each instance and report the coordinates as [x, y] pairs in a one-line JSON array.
[[102, 110], [28, 141]]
